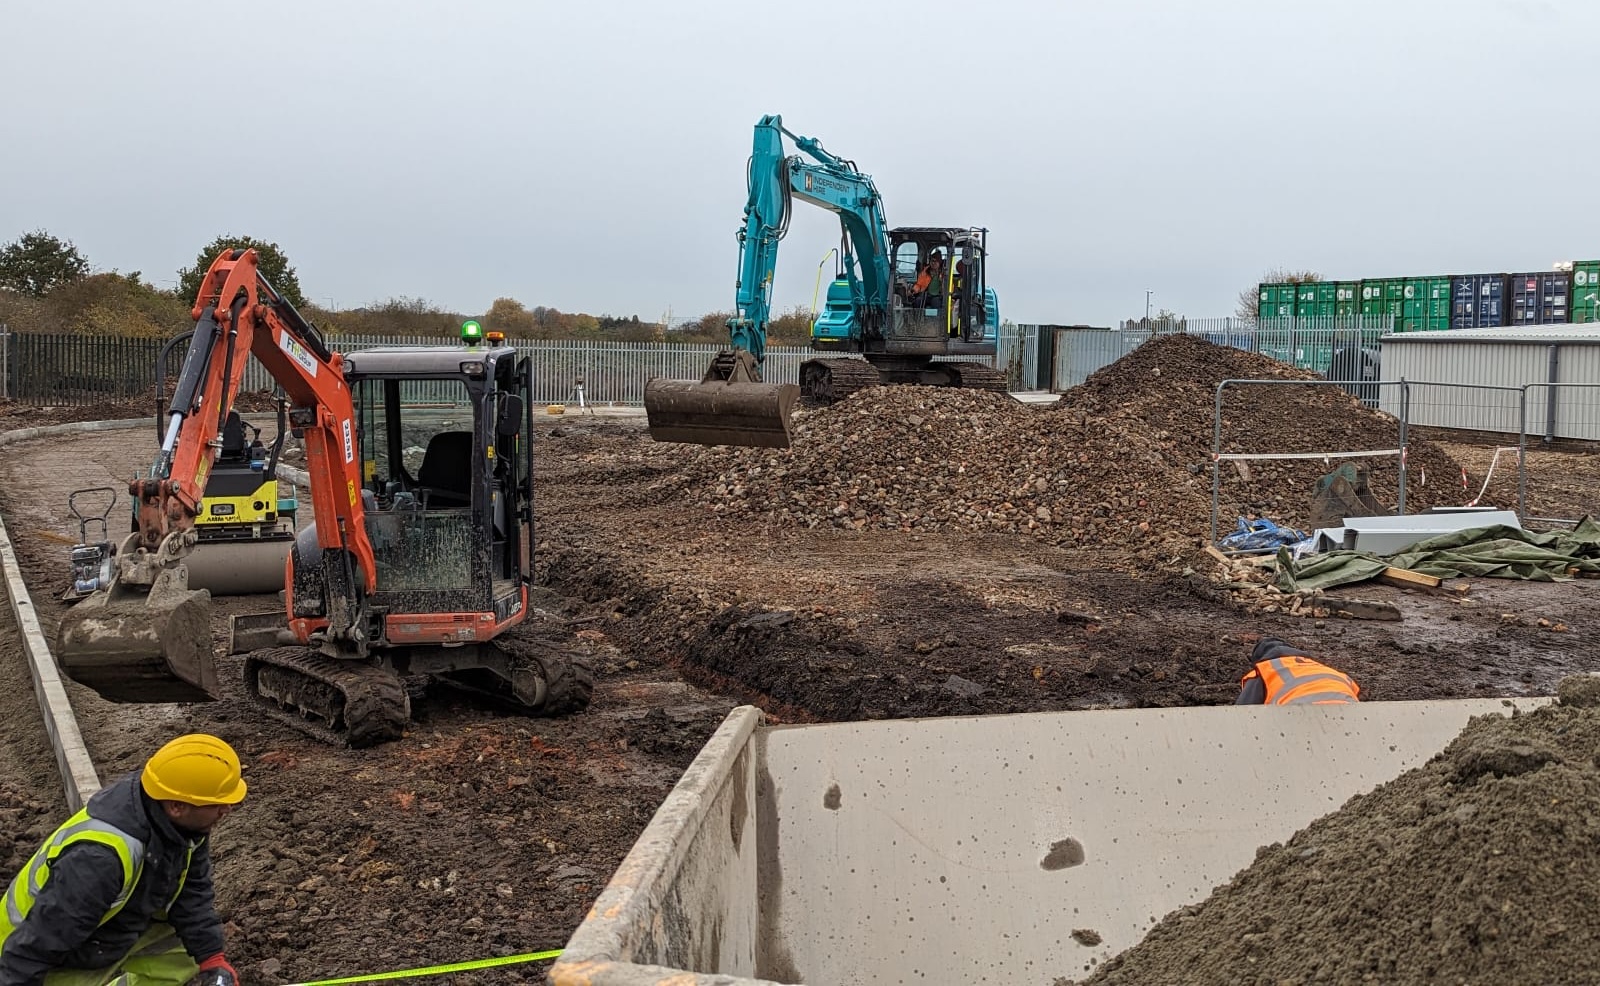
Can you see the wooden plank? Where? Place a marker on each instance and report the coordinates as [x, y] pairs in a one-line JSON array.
[[1408, 579]]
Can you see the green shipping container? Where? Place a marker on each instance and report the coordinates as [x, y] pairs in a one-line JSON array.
[[1346, 298], [1277, 301], [1585, 283], [1426, 307], [1317, 358], [1393, 292]]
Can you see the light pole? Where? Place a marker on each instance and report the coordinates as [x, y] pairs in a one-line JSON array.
[[1147, 295]]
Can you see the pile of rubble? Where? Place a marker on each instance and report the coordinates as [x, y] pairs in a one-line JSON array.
[[1124, 460], [926, 459], [1479, 866], [1170, 385]]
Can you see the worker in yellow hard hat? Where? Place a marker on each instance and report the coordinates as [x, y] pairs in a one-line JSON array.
[[121, 893]]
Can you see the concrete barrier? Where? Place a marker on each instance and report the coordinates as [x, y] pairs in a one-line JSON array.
[[78, 776], [968, 850]]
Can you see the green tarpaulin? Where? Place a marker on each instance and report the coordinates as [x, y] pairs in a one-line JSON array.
[[1497, 552]]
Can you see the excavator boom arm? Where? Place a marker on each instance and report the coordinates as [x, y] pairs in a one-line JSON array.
[[831, 183], [237, 314]]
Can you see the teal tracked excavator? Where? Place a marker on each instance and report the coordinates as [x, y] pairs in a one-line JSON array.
[[909, 305]]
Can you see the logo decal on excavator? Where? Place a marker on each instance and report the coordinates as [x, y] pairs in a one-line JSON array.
[[349, 443], [298, 353], [350, 486]]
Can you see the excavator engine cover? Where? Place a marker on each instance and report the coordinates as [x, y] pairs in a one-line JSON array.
[[729, 406], [130, 645]]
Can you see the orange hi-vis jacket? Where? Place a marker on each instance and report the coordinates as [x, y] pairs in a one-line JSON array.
[[1295, 680]]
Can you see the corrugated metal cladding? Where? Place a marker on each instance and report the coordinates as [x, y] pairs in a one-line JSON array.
[[1448, 369]]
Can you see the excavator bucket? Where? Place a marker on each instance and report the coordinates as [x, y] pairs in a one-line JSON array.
[[729, 406], [141, 643]]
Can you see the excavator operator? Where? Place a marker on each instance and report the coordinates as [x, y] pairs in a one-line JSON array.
[[1284, 675], [922, 295], [121, 894]]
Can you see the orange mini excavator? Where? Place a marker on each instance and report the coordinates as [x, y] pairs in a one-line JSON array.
[[419, 560]]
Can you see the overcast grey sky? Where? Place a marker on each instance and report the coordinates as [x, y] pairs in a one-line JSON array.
[[590, 156]]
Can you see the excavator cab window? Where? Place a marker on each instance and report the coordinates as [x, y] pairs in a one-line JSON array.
[[417, 445], [907, 262]]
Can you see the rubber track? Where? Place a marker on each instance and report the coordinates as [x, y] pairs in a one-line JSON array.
[[568, 678], [977, 376], [376, 706], [846, 376]]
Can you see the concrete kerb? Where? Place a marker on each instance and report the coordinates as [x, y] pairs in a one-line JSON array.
[[78, 775], [600, 951]]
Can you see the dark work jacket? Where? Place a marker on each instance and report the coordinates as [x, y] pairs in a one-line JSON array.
[[60, 931]]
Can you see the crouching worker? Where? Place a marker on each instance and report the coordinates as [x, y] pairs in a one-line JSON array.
[[1283, 675], [121, 894]]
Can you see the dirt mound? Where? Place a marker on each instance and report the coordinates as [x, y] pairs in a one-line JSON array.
[[1123, 460], [1170, 385], [1480, 866], [930, 459]]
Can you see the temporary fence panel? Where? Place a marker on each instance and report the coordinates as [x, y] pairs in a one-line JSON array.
[[1385, 446], [1564, 411], [1469, 407]]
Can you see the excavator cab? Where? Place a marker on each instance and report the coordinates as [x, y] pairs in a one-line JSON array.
[[442, 437], [943, 305]]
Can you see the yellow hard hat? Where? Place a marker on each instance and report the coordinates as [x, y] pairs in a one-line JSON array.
[[196, 769]]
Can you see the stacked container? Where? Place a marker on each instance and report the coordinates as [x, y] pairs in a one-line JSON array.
[[1540, 298], [1347, 299], [1478, 301], [1585, 286], [1427, 304], [1314, 299], [1277, 301]]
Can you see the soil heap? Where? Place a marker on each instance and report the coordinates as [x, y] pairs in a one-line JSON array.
[[1170, 384], [1481, 866], [1122, 461]]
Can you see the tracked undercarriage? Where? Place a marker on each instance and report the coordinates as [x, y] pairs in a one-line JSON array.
[[828, 381], [363, 703]]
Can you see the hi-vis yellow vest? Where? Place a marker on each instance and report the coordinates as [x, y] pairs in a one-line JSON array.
[[25, 886]]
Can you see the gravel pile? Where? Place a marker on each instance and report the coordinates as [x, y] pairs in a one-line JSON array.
[[1124, 460], [1481, 866]]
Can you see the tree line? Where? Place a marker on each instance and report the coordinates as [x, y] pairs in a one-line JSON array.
[[48, 285]]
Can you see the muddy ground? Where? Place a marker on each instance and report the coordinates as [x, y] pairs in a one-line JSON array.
[[479, 834]]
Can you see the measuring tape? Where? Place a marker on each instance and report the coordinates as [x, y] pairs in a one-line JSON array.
[[437, 970]]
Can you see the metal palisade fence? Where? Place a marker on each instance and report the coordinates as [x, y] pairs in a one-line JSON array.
[[70, 369]]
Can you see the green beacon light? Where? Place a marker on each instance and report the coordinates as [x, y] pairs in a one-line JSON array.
[[471, 331]]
